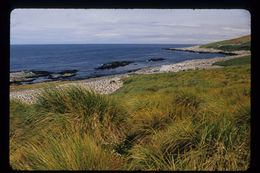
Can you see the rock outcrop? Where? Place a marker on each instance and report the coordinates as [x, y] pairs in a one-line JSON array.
[[31, 75], [156, 59], [27, 76], [115, 64]]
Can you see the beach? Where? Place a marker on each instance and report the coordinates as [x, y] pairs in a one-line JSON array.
[[131, 89], [109, 84]]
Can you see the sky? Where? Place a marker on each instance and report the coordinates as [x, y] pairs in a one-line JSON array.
[[127, 26]]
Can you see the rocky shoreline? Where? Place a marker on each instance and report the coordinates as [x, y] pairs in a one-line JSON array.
[[197, 64], [31, 75], [198, 49], [109, 84], [102, 85]]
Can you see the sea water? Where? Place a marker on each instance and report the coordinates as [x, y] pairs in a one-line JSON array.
[[87, 57]]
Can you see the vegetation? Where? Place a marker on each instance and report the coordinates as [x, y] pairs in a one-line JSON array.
[[242, 43], [190, 120], [35, 85], [67, 129], [237, 61]]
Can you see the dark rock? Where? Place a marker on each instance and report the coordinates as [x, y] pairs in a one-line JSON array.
[[41, 73], [26, 75], [156, 59], [114, 64], [19, 77], [112, 81], [68, 71]]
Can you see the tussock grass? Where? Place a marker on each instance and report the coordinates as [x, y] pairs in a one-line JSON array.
[[185, 145], [192, 120], [79, 102], [69, 151], [90, 111]]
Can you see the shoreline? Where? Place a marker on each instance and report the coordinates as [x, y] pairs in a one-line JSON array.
[[198, 49], [195, 64], [109, 84]]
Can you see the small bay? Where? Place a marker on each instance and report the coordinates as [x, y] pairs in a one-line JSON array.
[[85, 59]]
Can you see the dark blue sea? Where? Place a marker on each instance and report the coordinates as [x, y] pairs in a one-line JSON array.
[[86, 57]]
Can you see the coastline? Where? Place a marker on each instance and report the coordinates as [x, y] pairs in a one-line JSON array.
[[199, 49], [196, 64], [109, 84]]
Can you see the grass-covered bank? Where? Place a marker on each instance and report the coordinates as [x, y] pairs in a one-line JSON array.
[[190, 120], [237, 61], [241, 43]]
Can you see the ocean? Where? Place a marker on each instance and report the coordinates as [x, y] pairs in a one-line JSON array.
[[87, 57]]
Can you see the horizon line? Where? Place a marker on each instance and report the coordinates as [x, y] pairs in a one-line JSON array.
[[99, 43]]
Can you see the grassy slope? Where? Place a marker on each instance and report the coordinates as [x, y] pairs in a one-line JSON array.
[[241, 43], [237, 61], [192, 120]]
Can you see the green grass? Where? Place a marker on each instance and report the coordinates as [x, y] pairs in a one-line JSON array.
[[242, 43], [190, 120], [237, 61], [229, 46]]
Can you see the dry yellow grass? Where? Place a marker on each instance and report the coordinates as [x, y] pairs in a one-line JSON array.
[[190, 120], [241, 39]]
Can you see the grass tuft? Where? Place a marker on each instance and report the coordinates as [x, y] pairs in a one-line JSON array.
[[192, 120]]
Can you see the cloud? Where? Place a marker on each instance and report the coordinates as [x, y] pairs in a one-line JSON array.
[[43, 26], [238, 30], [107, 35]]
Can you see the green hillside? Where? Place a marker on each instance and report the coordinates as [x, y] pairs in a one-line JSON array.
[[241, 43]]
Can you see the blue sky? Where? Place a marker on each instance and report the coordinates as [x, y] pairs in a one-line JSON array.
[[133, 26]]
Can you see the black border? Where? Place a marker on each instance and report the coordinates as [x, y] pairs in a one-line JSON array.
[[245, 4], [9, 5]]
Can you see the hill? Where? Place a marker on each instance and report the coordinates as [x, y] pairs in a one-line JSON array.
[[241, 43]]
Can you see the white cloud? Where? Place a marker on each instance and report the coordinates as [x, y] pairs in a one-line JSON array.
[[126, 25]]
